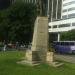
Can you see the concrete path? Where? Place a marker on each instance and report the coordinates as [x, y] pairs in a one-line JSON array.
[[67, 58]]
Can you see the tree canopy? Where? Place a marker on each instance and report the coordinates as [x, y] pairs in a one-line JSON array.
[[17, 21], [69, 36]]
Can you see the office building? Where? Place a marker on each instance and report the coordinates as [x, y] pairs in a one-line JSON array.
[[67, 20]]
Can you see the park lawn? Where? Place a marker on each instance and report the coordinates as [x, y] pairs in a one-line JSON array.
[[8, 66]]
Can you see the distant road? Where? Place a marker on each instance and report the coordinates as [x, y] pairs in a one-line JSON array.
[[67, 58]]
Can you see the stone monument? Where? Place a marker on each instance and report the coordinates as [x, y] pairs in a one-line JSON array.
[[39, 50]]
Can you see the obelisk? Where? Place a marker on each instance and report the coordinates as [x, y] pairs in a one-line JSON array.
[[39, 47]]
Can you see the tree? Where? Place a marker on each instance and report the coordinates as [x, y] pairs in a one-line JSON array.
[[17, 22], [70, 35]]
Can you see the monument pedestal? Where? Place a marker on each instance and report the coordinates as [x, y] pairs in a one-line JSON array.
[[32, 57], [39, 48], [50, 57]]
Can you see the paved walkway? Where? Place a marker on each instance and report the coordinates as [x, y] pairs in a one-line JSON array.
[[67, 58]]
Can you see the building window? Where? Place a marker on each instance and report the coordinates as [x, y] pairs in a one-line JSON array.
[[49, 26], [64, 17], [55, 26], [69, 3], [65, 10], [73, 24], [71, 15], [70, 9], [64, 25]]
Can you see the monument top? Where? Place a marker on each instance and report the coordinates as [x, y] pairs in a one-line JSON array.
[[42, 6]]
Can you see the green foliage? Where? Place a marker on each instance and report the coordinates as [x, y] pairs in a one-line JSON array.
[[17, 21], [69, 36]]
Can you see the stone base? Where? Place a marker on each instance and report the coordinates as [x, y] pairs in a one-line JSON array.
[[55, 64], [30, 63], [31, 58], [50, 60], [50, 57]]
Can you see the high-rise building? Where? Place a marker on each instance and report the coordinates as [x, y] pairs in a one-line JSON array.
[[55, 9], [68, 9], [67, 20]]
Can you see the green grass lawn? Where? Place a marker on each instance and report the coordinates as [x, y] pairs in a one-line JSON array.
[[8, 66]]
